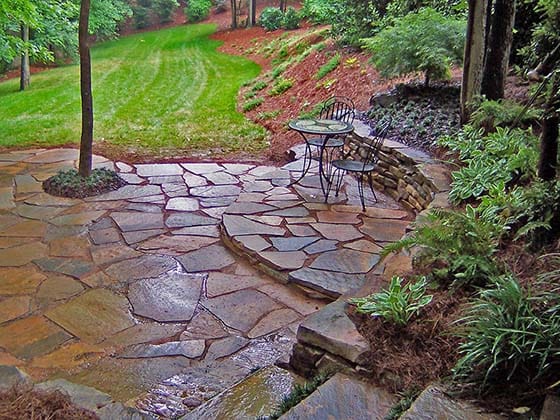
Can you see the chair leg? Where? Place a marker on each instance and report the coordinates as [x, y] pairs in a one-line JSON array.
[[361, 191], [307, 158], [370, 182]]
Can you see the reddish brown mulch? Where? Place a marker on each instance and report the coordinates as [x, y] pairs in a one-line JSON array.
[[26, 403], [418, 354]]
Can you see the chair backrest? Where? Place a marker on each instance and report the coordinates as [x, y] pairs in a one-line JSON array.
[[372, 145], [339, 108]]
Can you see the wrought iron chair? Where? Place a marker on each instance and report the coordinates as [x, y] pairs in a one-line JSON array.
[[364, 164], [335, 108]]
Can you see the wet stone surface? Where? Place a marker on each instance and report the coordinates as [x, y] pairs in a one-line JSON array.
[[132, 292]]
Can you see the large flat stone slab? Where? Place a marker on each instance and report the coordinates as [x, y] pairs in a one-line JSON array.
[[239, 225], [176, 245], [330, 283], [172, 297], [241, 310], [180, 220], [161, 169], [383, 231], [14, 307], [128, 192], [69, 266], [345, 261], [190, 349], [214, 191], [21, 255], [141, 267], [31, 337], [340, 233], [255, 397], [132, 221], [93, 316], [434, 403], [330, 329], [343, 397], [20, 281], [82, 396], [291, 260], [213, 257]]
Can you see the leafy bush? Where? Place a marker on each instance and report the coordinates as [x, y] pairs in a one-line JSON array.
[[197, 10], [141, 16], [291, 19], [502, 113], [504, 155], [510, 337], [419, 42], [260, 85], [165, 9], [398, 304], [281, 86], [319, 11], [328, 67], [271, 18], [252, 104], [457, 247]]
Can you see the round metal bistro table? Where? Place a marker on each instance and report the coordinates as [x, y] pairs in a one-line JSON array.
[[329, 140]]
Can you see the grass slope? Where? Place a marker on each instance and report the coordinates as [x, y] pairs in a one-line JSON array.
[[155, 92]]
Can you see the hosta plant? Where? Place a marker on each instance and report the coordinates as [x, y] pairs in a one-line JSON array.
[[398, 304]]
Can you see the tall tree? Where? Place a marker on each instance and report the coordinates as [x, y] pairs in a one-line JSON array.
[[500, 38], [283, 5], [86, 142], [252, 16], [25, 71], [233, 14], [473, 62]]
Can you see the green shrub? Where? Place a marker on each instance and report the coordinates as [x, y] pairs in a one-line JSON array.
[[271, 18], [260, 85], [141, 15], [197, 10], [291, 19], [328, 67], [398, 304], [510, 337], [252, 104], [458, 248], [319, 11], [165, 9], [502, 113], [268, 115], [419, 42], [281, 86], [502, 156]]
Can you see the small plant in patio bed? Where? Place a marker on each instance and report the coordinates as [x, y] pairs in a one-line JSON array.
[[398, 304], [71, 184]]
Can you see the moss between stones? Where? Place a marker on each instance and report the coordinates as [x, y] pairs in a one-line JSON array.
[[71, 184]]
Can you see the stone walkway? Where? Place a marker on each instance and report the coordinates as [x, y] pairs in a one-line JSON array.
[[133, 292]]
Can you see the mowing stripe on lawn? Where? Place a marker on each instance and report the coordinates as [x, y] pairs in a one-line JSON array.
[[153, 91]]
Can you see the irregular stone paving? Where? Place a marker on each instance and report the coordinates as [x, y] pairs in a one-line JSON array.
[[132, 292]]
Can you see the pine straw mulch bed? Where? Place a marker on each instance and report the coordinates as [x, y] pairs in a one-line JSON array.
[[23, 402], [411, 357]]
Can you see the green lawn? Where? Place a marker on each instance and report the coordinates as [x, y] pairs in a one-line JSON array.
[[155, 92]]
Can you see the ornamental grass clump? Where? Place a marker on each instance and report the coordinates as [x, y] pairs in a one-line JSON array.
[[398, 304], [511, 338]]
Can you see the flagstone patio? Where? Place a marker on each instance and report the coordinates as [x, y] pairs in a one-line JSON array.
[[135, 291]]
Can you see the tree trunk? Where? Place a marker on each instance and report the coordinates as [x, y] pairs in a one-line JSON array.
[[86, 143], [233, 14], [548, 159], [283, 5], [473, 65], [252, 17], [25, 73], [499, 48]]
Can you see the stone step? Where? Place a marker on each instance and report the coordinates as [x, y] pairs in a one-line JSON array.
[[343, 397], [434, 403], [255, 396]]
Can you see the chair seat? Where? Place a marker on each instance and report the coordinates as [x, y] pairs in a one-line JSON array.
[[352, 165], [332, 142]]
